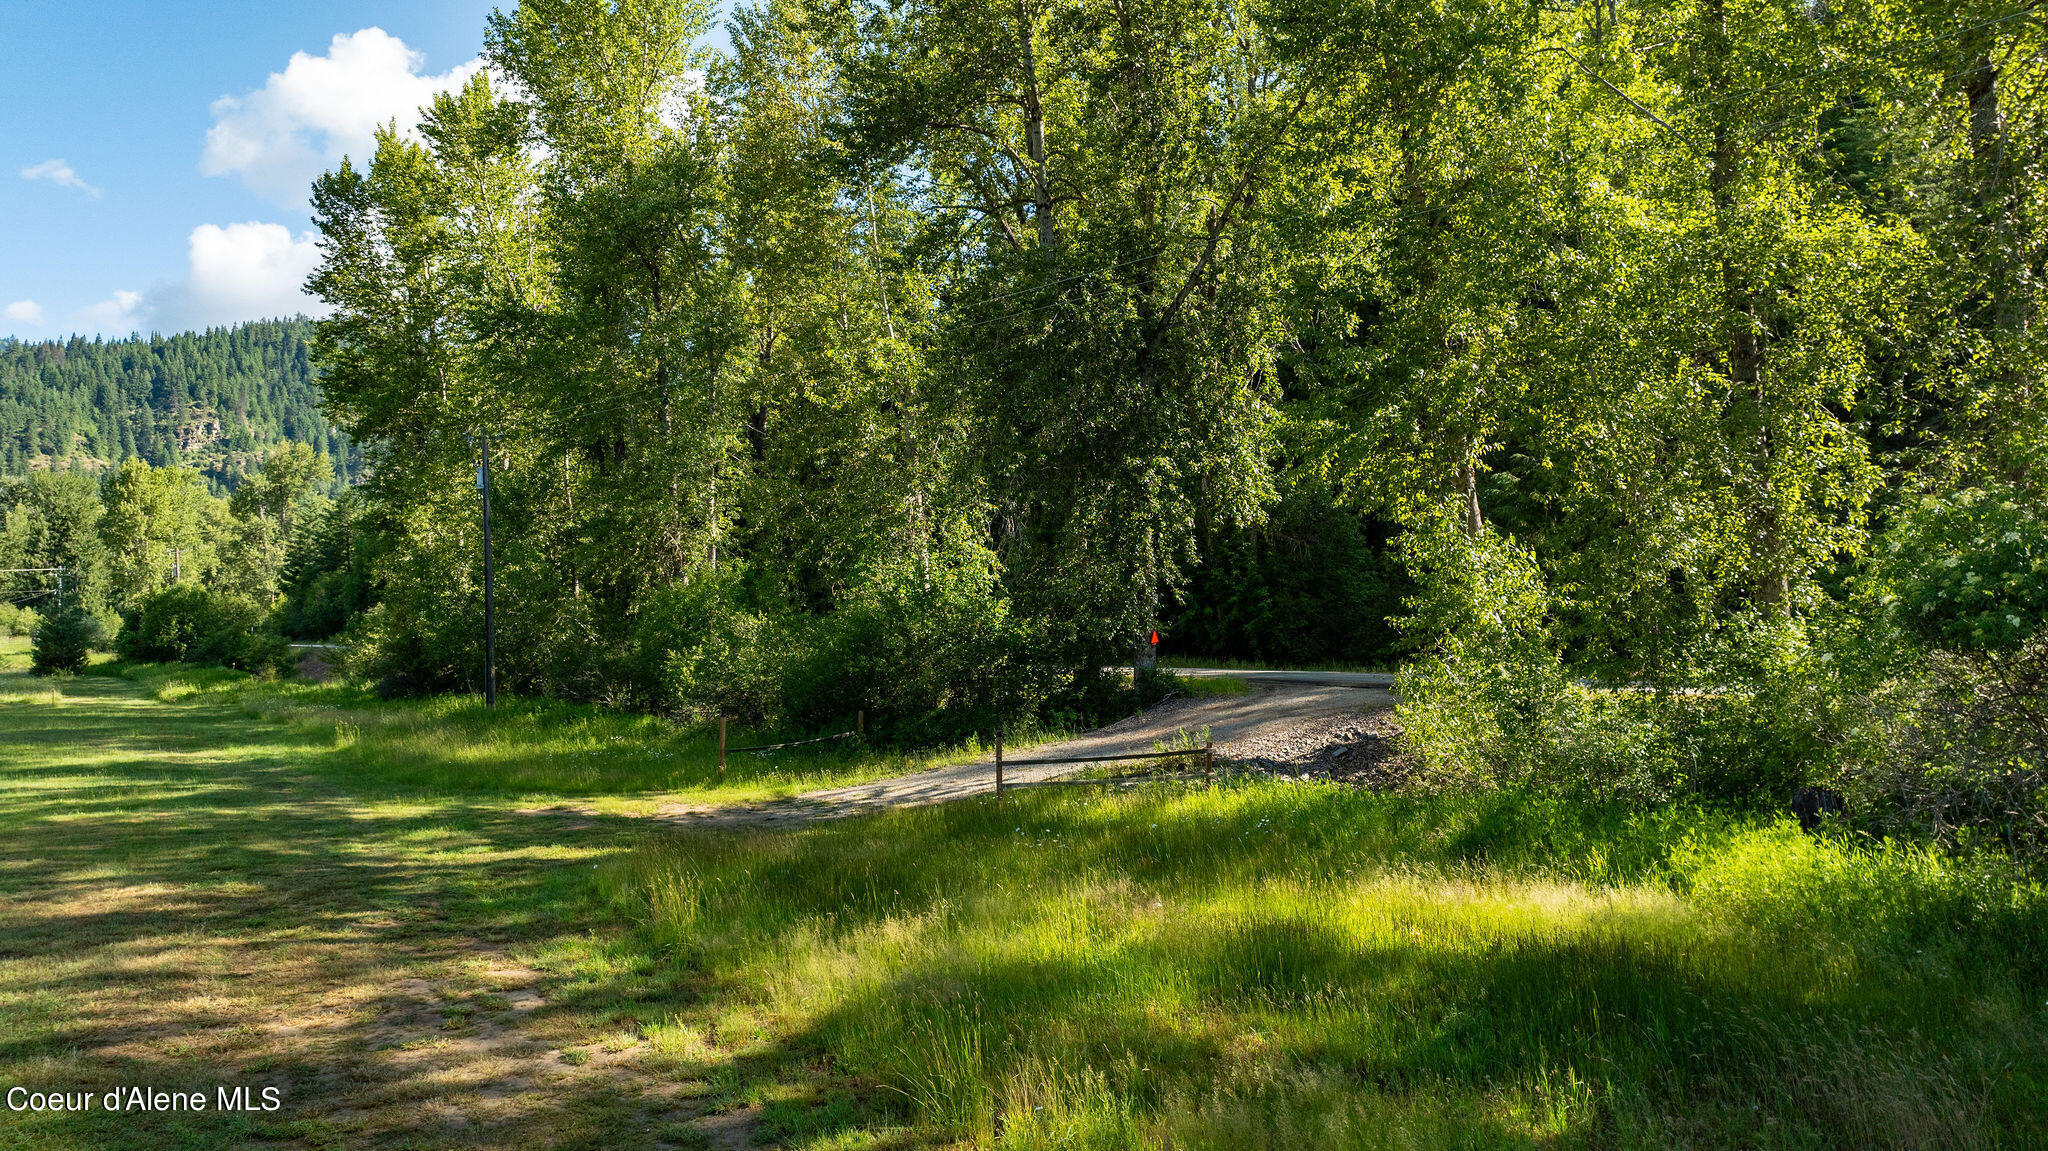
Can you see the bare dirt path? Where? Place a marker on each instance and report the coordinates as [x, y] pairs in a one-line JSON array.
[[1249, 726]]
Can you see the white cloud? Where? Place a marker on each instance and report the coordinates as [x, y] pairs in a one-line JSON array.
[[237, 272], [59, 173], [247, 272], [24, 312], [117, 315], [320, 108]]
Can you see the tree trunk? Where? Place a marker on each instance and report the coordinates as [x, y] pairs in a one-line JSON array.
[[1987, 121], [1473, 521], [1771, 581], [1034, 132]]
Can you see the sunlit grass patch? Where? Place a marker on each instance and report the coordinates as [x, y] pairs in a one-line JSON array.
[[527, 747], [1212, 685], [1251, 966]]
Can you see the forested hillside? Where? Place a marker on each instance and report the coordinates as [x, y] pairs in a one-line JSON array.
[[213, 401]]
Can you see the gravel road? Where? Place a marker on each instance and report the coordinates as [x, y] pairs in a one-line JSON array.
[[1278, 722]]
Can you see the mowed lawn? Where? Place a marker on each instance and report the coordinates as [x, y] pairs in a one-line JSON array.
[[431, 928], [207, 882]]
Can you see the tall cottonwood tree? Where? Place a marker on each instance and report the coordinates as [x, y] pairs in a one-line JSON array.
[[1102, 173], [1047, 299]]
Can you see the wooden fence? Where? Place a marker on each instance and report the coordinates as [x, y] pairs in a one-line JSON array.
[[860, 726]]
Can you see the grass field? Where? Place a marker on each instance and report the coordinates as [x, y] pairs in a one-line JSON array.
[[210, 882], [1291, 967]]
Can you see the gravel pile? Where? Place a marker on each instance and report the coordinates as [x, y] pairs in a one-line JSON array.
[[1354, 749]]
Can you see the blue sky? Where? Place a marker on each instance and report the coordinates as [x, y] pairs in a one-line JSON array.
[[154, 156]]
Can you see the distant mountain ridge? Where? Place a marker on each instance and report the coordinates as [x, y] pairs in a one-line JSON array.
[[213, 400]]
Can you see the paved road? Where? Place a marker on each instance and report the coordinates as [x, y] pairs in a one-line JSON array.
[[1275, 705]]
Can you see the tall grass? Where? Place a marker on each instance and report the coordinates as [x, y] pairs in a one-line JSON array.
[[1278, 966]]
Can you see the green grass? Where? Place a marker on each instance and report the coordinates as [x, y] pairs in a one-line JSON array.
[[1212, 685], [1276, 966], [203, 885], [210, 881], [539, 749]]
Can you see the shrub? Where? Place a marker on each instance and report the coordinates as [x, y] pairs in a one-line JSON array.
[[1761, 704], [1964, 584], [1492, 704], [1968, 760], [63, 643], [190, 624], [926, 647], [16, 620], [1969, 572], [928, 654], [703, 655]]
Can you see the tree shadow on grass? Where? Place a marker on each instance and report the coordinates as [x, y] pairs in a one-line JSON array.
[[165, 860], [1623, 1028]]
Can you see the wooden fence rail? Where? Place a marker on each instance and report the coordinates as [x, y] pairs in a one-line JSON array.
[[860, 727]]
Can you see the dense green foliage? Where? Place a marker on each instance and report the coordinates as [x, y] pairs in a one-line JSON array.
[[215, 401], [1660, 379], [190, 576], [185, 623]]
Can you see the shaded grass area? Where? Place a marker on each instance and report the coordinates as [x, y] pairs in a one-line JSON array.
[[1277, 966], [192, 897]]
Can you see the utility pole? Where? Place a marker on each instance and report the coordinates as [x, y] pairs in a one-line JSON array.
[[59, 572], [483, 484]]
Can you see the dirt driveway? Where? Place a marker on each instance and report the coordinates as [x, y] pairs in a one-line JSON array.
[[1240, 726]]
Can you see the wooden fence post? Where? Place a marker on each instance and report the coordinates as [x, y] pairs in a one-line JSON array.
[[860, 723], [1209, 764], [721, 749], [999, 763]]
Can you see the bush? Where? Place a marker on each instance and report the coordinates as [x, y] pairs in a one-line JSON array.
[[928, 654], [1969, 572], [1963, 584], [1492, 704], [1967, 764], [702, 654], [1762, 706], [63, 643], [188, 624], [16, 620]]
